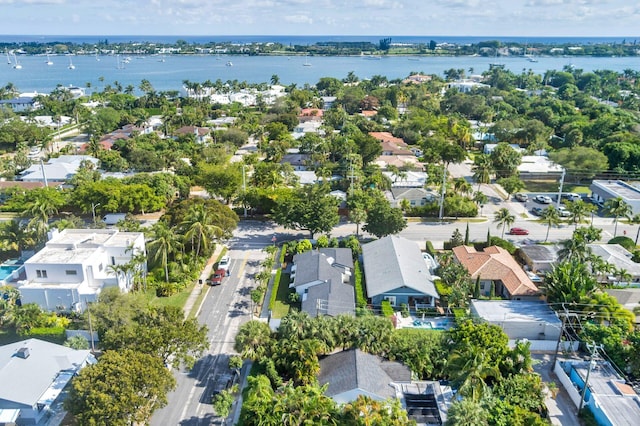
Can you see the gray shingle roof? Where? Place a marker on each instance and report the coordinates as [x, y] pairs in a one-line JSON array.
[[336, 298], [354, 369], [24, 381], [321, 266], [393, 262]]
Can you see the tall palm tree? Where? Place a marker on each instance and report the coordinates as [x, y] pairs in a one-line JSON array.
[[165, 243], [579, 211], [471, 371], [461, 186], [482, 169], [617, 208], [550, 217], [198, 227], [504, 218]]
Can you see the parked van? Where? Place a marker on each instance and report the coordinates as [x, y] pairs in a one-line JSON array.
[[111, 219]]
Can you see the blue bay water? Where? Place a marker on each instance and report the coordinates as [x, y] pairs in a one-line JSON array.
[[36, 75]]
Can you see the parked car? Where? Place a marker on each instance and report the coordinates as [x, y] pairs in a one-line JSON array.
[[521, 197], [224, 264], [544, 199], [563, 212], [537, 211], [571, 196], [216, 277], [518, 231]]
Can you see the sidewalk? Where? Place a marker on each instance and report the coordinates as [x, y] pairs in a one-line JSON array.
[[200, 285]]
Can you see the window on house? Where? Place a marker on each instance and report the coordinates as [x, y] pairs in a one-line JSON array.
[[482, 286], [71, 272], [113, 260], [391, 300], [100, 267], [41, 273]]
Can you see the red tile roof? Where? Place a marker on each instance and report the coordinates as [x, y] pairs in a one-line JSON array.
[[496, 264]]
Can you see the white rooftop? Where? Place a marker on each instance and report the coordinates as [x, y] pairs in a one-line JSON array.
[[514, 310]]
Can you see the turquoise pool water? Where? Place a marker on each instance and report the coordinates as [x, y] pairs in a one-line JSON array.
[[6, 270]]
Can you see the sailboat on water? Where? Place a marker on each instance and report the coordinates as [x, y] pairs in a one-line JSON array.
[[16, 63], [9, 62], [48, 61], [306, 61], [71, 66]]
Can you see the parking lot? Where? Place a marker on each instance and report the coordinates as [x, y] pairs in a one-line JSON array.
[[535, 204]]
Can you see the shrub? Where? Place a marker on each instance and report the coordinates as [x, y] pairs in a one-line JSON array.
[[166, 289], [625, 242], [387, 310], [404, 309], [496, 241], [361, 298], [274, 288], [429, 248]]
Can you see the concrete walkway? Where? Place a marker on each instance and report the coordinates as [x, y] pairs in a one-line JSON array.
[[200, 285]]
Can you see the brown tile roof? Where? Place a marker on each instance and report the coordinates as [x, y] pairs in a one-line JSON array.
[[496, 264], [24, 185], [388, 137]]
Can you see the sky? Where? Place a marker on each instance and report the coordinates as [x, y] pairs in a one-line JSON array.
[[523, 18]]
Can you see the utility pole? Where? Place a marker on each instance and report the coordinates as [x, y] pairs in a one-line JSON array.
[[93, 347], [594, 348], [564, 171], [555, 354], [444, 190]]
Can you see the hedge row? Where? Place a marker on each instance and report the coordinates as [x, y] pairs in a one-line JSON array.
[[361, 297], [387, 310]]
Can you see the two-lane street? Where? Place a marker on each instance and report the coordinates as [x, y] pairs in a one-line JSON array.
[[224, 310]]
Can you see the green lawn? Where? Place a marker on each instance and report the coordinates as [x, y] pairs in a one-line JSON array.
[[552, 186], [282, 305], [177, 300]]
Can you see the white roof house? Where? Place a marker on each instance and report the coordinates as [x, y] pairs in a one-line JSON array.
[[57, 169], [75, 265], [33, 374]]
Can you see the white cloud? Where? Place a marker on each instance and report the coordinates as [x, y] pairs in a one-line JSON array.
[[298, 19]]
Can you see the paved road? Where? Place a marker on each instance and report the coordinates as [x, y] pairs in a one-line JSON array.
[[224, 310]]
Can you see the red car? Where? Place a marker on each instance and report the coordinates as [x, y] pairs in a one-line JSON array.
[[216, 277], [518, 231]]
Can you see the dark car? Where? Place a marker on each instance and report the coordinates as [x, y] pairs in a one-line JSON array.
[[518, 231], [217, 277], [537, 211]]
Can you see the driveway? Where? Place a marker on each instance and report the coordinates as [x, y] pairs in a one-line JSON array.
[[562, 410]]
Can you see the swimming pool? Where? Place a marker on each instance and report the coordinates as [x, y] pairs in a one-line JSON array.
[[6, 271]]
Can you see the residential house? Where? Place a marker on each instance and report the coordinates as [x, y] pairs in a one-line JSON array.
[[539, 167], [76, 264], [495, 266], [538, 257], [466, 86], [310, 114], [327, 102], [620, 258], [299, 162], [417, 79], [395, 152], [202, 134], [604, 190], [396, 271], [531, 320], [349, 374], [33, 374], [610, 399], [59, 169], [407, 179], [22, 103], [307, 127], [416, 197], [629, 298], [322, 278]]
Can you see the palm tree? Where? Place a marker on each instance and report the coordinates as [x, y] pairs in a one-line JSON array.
[[504, 218], [199, 228], [482, 169], [617, 208], [551, 217], [636, 220], [470, 371], [461, 186], [579, 211], [165, 243]]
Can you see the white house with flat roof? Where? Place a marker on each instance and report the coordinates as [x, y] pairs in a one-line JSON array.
[[76, 264], [604, 190], [33, 374]]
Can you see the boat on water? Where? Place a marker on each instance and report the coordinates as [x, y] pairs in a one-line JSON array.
[[306, 62], [48, 61], [71, 66], [229, 64], [16, 63]]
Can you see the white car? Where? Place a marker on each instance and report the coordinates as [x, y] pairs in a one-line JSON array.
[[544, 199], [224, 263]]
